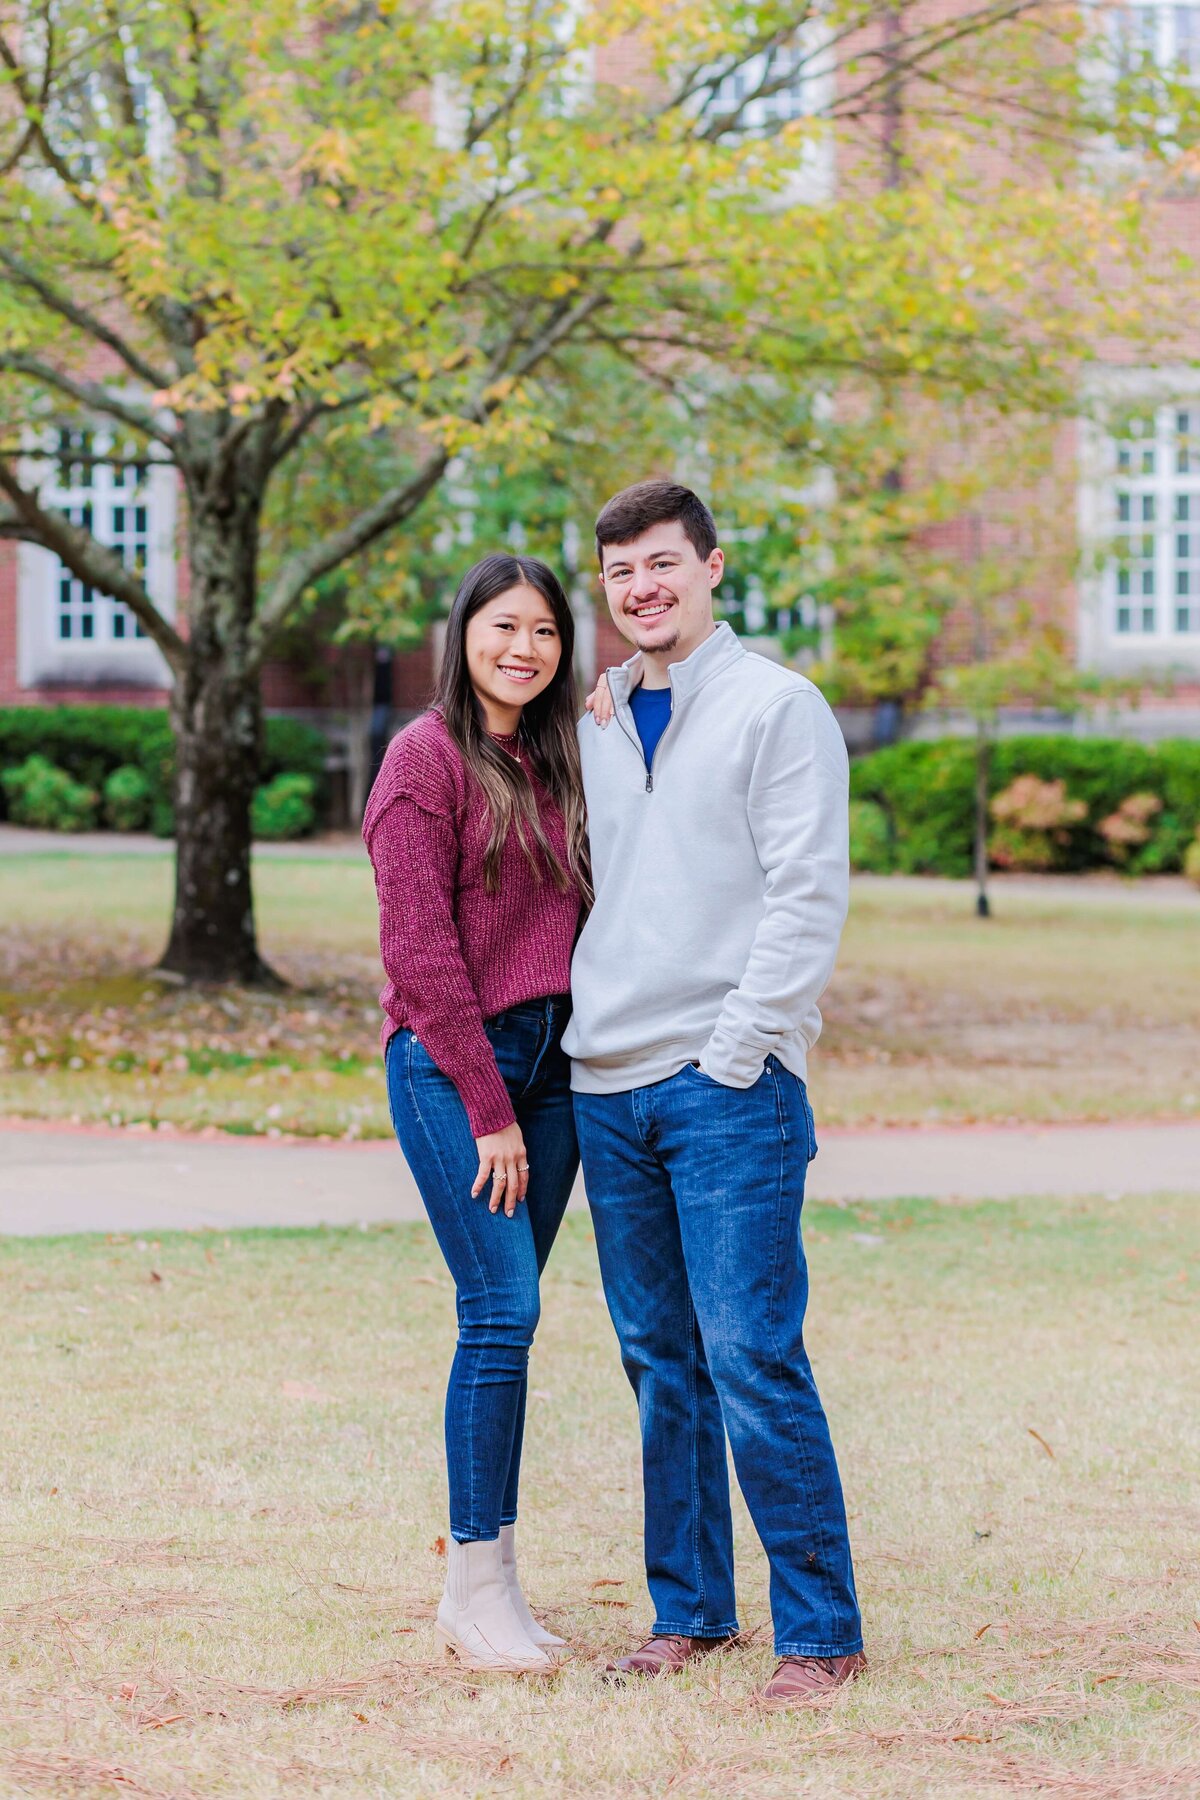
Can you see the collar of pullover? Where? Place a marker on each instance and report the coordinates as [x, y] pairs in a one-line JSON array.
[[708, 659]]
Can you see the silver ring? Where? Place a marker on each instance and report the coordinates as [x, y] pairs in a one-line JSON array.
[[522, 1168], [499, 1176]]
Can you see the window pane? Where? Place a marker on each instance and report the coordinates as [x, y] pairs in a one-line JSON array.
[[1123, 618], [88, 490], [1187, 40], [1136, 29]]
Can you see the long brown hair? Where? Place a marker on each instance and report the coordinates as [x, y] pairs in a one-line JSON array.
[[547, 731]]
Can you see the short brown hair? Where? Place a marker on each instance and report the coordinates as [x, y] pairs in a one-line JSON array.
[[635, 509]]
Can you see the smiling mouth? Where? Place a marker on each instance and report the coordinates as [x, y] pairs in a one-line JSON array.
[[517, 674], [654, 609]]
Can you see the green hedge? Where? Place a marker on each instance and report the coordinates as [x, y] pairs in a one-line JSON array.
[[283, 808], [926, 792], [92, 742]]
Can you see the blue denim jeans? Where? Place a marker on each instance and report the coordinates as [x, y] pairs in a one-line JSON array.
[[495, 1261], [695, 1191]]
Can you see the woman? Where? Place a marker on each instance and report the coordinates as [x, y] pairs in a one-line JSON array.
[[475, 829]]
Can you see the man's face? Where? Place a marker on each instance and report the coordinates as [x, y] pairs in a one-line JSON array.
[[660, 592]]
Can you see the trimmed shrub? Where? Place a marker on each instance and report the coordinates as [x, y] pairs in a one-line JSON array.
[[92, 742], [1127, 829], [927, 791], [128, 793], [870, 843], [1033, 824], [41, 795], [284, 808]]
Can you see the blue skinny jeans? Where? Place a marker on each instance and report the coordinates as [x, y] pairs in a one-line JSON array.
[[495, 1261]]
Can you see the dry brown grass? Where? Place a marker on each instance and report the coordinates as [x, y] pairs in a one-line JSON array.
[[222, 1495], [1061, 1007]]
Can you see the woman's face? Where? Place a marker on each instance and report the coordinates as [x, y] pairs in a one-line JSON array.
[[513, 651]]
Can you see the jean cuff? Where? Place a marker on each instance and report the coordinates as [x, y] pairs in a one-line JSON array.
[[661, 1629], [474, 1537], [809, 1649]]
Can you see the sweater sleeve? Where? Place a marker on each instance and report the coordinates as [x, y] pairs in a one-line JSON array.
[[799, 817], [414, 853]]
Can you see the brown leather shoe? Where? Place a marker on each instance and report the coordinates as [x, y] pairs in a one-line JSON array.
[[664, 1656], [801, 1680]]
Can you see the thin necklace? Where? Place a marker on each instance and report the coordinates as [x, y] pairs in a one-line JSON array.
[[509, 741]]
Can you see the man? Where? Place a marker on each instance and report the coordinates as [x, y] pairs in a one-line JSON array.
[[717, 806]]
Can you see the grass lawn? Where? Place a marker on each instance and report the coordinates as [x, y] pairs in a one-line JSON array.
[[1063, 1006], [223, 1494]]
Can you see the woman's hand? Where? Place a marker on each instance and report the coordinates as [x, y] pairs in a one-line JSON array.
[[600, 703], [502, 1156]]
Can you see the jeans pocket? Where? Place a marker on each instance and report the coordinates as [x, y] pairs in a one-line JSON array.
[[810, 1122], [389, 1052], [696, 1073]]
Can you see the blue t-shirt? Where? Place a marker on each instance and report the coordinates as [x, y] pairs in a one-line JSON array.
[[651, 709]]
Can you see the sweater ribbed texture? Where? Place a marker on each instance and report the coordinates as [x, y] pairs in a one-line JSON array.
[[455, 955]]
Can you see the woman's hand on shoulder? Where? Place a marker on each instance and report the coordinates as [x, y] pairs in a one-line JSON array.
[[503, 1161], [600, 703]]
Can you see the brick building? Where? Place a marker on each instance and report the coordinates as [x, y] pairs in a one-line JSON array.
[[1137, 488]]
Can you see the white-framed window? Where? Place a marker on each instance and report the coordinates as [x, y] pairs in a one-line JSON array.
[[768, 91], [1160, 36], [568, 69], [69, 632], [1152, 582], [101, 485], [765, 92]]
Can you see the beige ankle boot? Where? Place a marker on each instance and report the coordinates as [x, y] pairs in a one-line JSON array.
[[476, 1621], [555, 1647]]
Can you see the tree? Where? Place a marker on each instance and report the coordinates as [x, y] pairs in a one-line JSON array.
[[232, 234]]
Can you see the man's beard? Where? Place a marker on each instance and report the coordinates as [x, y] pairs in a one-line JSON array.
[[664, 646]]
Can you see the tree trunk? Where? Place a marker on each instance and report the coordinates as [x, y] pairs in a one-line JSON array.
[[983, 780], [216, 712], [218, 725]]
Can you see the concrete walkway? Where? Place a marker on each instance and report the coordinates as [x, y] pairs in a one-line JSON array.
[[56, 1181]]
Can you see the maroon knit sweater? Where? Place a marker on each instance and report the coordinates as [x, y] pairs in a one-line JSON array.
[[455, 955]]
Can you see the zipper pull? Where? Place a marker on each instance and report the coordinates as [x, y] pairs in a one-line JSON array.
[[649, 783]]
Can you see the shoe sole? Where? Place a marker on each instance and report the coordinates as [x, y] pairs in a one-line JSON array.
[[453, 1652]]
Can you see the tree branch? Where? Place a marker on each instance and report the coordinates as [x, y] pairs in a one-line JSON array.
[[392, 508], [300, 571], [14, 529], [34, 112], [90, 394], [92, 561], [305, 421], [83, 320], [910, 56]]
